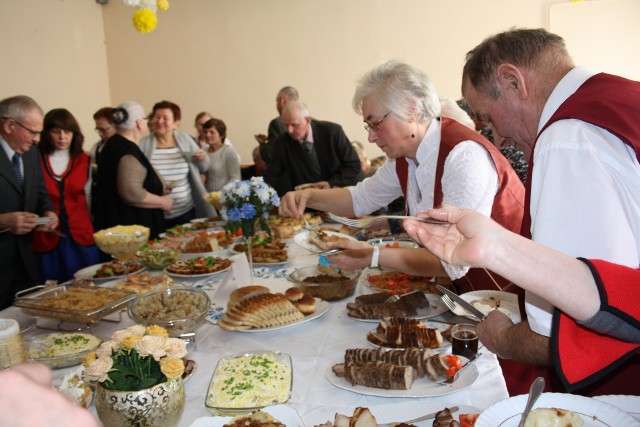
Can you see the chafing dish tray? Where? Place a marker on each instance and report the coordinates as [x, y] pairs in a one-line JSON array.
[[77, 304]]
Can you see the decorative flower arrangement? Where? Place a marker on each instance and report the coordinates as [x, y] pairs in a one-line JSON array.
[[246, 205], [145, 19], [136, 358]]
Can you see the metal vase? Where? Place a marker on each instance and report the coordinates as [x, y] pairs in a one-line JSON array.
[[160, 405]]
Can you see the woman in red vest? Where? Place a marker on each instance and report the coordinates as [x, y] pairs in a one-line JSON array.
[[66, 170]]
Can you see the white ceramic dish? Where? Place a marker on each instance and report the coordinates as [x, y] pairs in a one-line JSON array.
[[283, 413], [87, 273], [422, 387], [508, 300], [194, 276], [626, 403], [594, 413], [321, 308], [446, 345], [302, 239], [390, 412], [436, 308], [184, 255]]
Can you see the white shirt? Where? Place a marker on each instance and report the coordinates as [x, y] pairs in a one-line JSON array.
[[469, 180], [585, 194]]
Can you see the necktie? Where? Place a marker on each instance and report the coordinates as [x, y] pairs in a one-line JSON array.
[[16, 167], [312, 158]]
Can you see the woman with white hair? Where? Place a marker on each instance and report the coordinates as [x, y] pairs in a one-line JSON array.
[[432, 160], [128, 189]]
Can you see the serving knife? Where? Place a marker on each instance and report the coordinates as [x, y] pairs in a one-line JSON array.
[[462, 303], [422, 418]]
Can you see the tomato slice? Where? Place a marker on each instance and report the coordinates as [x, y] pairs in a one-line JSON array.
[[468, 420]]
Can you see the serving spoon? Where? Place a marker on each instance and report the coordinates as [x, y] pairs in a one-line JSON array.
[[536, 389]]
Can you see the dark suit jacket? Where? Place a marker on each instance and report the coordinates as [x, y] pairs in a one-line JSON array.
[[339, 163], [34, 198]]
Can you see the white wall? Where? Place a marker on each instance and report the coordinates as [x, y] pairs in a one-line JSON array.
[[230, 57]]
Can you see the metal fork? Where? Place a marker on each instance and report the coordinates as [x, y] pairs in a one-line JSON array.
[[415, 420], [394, 298], [457, 374], [455, 308], [368, 222]]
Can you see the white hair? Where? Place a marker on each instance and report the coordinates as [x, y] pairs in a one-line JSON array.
[[134, 112]]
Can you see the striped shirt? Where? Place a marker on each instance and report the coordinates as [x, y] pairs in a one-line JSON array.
[[174, 170]]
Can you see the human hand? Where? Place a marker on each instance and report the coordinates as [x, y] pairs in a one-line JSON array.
[[466, 242], [261, 138], [492, 332], [22, 385], [294, 203], [322, 184], [200, 155], [356, 255], [166, 203], [18, 222]]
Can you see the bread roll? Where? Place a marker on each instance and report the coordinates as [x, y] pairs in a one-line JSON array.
[[293, 294], [306, 305]]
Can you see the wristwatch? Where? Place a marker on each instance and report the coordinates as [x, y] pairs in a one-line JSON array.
[[375, 257]]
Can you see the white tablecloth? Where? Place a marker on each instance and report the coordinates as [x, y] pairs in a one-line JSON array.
[[313, 346]]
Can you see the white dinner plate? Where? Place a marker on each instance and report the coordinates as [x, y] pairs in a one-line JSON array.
[[446, 344], [508, 300], [302, 239], [283, 413], [194, 276], [422, 387], [174, 237], [185, 255], [627, 403], [436, 307], [594, 413], [88, 272], [390, 412], [321, 308]]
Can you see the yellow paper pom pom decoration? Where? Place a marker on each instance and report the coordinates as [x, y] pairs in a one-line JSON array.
[[145, 20], [163, 5]]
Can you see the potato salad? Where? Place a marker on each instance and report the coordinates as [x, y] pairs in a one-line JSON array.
[[249, 382]]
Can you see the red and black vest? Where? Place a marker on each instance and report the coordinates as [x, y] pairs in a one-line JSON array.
[[508, 203], [68, 193], [612, 103]]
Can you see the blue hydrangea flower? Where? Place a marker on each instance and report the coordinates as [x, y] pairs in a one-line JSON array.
[[234, 214], [248, 211]]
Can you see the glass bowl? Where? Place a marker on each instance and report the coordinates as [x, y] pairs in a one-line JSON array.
[[159, 259], [60, 350], [322, 285], [121, 241], [179, 311], [270, 374]]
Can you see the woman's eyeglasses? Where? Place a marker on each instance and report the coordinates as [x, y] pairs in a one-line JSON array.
[[375, 125]]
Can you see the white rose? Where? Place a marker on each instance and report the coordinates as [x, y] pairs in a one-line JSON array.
[[107, 348], [98, 369], [152, 345], [176, 348], [138, 330]]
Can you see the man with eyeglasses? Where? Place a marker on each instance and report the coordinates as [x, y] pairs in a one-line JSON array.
[[23, 194], [311, 152]]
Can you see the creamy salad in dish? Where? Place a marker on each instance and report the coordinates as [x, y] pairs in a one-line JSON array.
[[249, 382], [63, 344]]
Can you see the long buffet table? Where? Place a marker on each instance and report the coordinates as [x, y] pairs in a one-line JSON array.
[[313, 346]]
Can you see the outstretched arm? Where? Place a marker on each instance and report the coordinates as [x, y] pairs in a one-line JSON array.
[[475, 240]]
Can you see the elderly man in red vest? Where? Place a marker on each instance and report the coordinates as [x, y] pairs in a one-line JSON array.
[[433, 160], [583, 191]]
